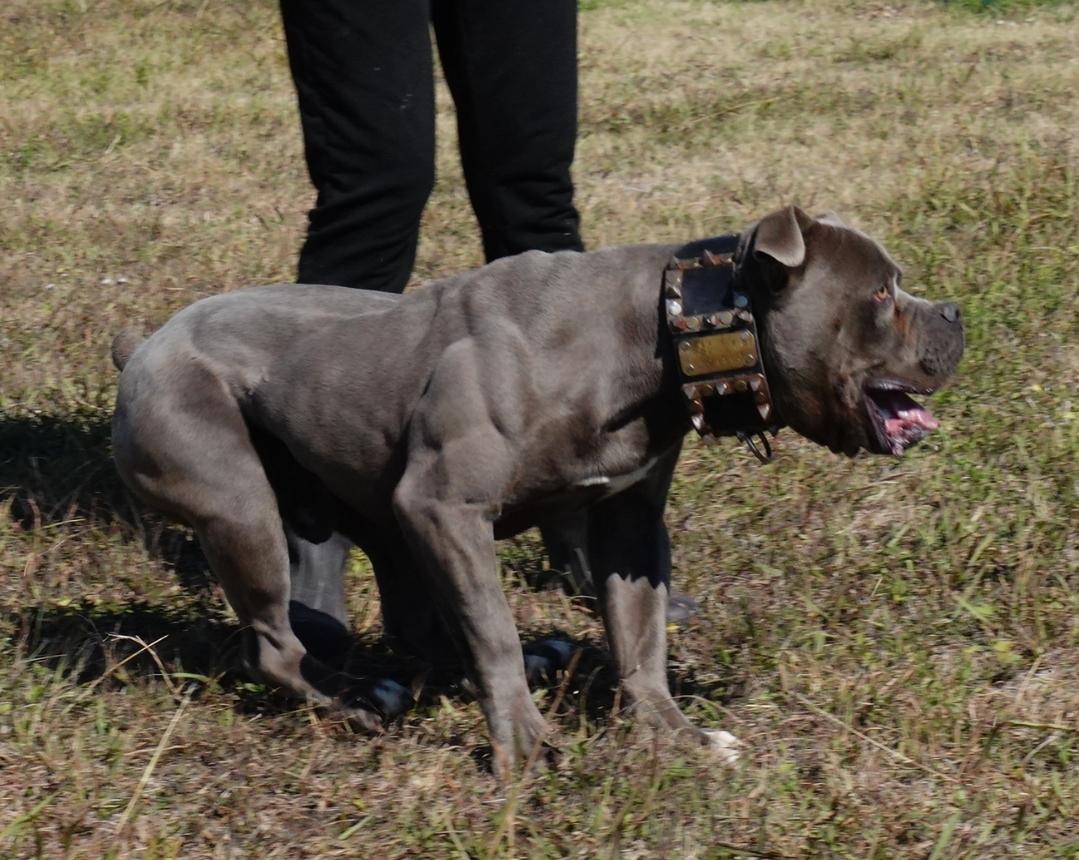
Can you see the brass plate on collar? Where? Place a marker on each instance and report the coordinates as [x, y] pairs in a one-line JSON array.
[[717, 352]]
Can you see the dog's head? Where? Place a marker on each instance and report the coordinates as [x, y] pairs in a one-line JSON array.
[[844, 345]]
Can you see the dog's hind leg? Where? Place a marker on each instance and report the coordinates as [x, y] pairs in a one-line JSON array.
[[317, 552], [199, 465], [250, 557]]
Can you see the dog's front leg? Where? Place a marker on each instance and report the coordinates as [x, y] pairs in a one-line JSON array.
[[630, 557], [460, 460], [454, 541]]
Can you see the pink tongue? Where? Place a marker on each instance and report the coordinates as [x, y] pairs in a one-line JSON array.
[[909, 418]]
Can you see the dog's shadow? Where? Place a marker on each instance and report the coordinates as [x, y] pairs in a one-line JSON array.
[[138, 642], [55, 470], [90, 643]]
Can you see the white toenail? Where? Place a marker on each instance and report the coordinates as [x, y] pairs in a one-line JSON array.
[[726, 746]]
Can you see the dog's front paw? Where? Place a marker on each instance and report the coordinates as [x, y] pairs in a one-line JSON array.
[[724, 746]]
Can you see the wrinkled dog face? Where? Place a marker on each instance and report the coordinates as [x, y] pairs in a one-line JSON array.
[[845, 346]]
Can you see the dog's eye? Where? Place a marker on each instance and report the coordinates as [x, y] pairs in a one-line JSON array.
[[882, 295]]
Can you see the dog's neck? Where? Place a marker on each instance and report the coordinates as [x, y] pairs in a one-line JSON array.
[[716, 343]]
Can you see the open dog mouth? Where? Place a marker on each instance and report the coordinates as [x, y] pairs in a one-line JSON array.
[[898, 420]]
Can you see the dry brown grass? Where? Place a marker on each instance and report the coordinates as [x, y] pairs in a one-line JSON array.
[[897, 641]]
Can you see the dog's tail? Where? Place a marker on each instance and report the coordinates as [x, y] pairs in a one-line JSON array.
[[124, 344]]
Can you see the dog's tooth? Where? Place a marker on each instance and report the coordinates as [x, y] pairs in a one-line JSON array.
[[755, 383], [765, 410], [698, 423], [674, 307], [722, 388]]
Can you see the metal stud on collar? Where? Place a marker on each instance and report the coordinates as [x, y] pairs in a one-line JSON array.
[[716, 346]]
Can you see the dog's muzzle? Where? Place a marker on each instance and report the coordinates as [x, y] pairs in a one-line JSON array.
[[717, 347]]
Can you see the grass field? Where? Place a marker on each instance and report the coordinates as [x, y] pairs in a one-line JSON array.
[[898, 641]]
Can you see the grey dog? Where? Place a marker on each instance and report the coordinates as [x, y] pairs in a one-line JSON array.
[[424, 427]]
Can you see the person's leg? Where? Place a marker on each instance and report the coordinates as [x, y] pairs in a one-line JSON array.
[[512, 68], [363, 76], [364, 81]]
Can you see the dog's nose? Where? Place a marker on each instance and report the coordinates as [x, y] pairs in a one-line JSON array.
[[950, 311]]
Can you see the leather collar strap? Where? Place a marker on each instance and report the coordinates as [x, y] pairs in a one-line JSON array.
[[714, 334]]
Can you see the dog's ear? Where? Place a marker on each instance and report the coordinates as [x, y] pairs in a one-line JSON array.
[[779, 236]]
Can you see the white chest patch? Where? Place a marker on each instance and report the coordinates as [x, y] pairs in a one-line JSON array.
[[617, 483]]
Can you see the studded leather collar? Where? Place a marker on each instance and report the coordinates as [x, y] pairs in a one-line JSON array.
[[716, 344]]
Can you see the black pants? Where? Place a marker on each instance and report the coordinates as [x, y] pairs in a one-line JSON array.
[[363, 71]]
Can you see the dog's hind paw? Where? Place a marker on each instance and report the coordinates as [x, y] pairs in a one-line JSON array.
[[724, 746]]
